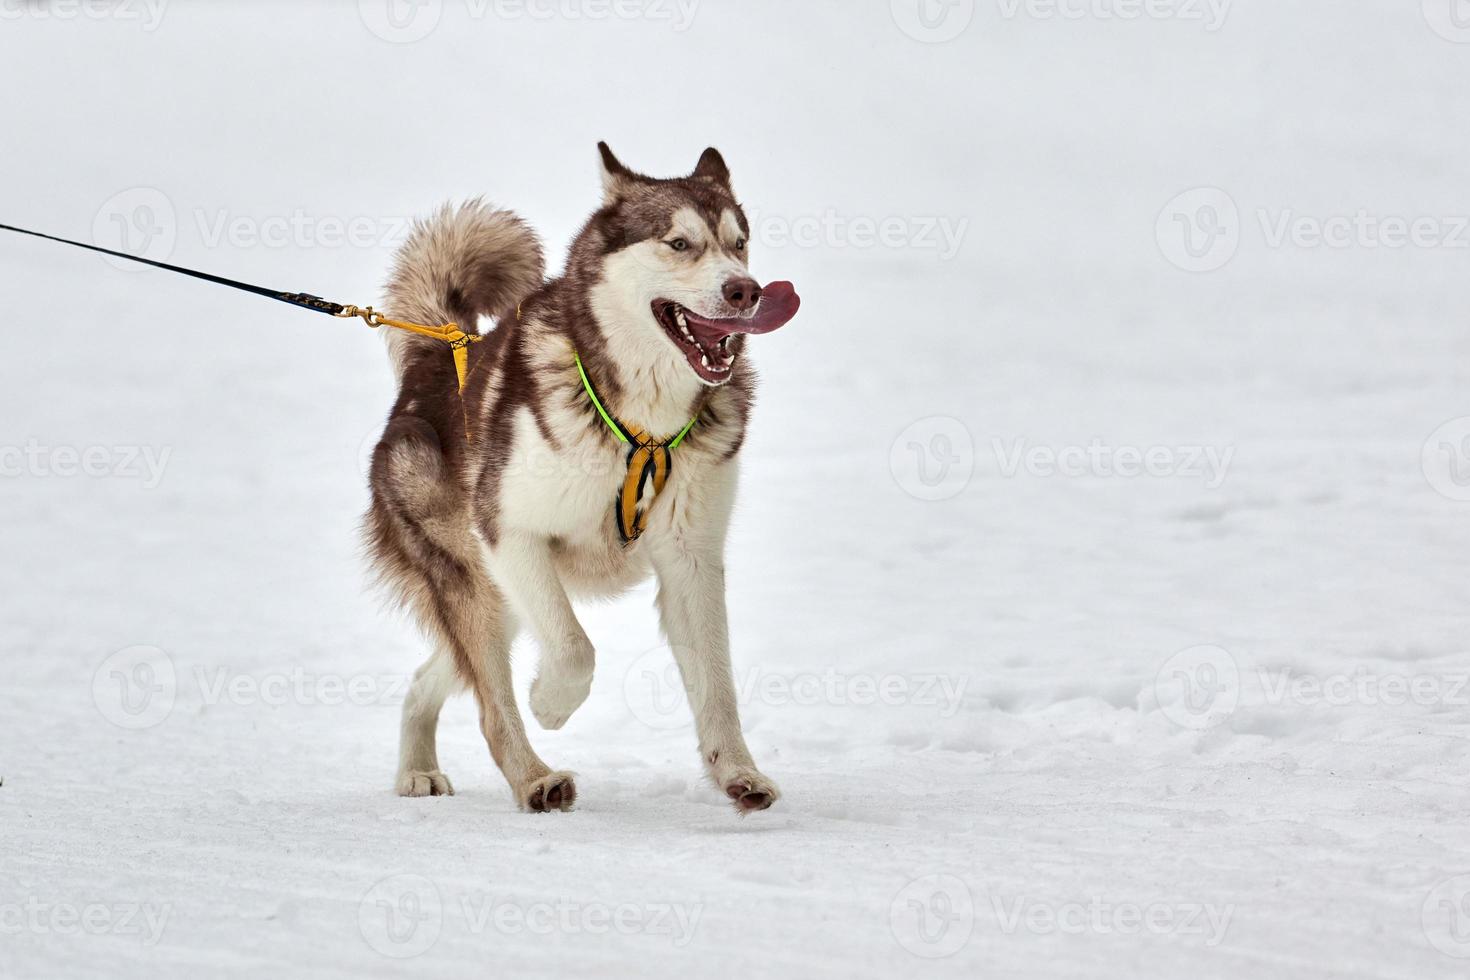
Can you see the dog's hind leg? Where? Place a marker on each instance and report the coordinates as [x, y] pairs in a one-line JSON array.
[[418, 758], [536, 786], [424, 545]]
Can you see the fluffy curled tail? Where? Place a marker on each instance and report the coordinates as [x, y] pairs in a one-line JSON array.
[[457, 265]]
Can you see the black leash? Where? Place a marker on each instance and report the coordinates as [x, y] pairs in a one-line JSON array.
[[458, 341], [304, 300]]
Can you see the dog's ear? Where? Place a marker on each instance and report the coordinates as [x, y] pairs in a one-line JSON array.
[[617, 179], [712, 166]]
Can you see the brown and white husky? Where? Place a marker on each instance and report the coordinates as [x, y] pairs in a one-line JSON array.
[[559, 471]]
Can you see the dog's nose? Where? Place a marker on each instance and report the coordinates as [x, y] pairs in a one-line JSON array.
[[742, 294]]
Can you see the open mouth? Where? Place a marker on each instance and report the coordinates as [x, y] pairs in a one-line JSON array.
[[713, 358], [709, 344]]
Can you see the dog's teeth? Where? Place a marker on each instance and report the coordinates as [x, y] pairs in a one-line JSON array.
[[704, 359], [679, 316]]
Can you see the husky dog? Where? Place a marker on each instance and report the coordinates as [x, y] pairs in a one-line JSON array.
[[595, 442]]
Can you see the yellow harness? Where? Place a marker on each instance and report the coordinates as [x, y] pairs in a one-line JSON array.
[[649, 461]]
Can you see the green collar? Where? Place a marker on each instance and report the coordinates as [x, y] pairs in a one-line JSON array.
[[624, 433]]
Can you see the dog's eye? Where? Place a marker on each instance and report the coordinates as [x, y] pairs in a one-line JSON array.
[[679, 245], [740, 245]]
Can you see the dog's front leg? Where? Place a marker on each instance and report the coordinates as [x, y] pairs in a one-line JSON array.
[[690, 564], [521, 563]]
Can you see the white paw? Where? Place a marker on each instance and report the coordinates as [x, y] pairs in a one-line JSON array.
[[556, 694], [748, 789], [414, 783], [554, 791]]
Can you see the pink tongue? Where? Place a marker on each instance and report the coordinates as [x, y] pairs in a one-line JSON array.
[[778, 305]]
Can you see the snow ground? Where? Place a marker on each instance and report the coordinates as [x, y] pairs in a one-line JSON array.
[[1210, 722]]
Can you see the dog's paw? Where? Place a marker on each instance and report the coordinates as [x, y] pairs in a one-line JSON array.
[[414, 783], [557, 693], [554, 791], [750, 791]]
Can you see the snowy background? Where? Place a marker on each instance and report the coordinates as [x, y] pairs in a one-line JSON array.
[[1099, 584]]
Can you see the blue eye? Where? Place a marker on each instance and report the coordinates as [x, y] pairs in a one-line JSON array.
[[679, 245]]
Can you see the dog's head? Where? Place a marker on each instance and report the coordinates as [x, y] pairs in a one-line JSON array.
[[668, 264]]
